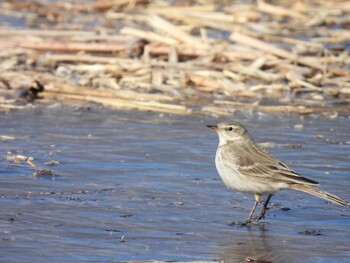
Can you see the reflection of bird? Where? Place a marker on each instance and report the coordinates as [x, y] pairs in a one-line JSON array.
[[256, 245], [245, 167]]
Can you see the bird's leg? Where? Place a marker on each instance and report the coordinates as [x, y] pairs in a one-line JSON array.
[[249, 219], [257, 201], [252, 212], [264, 208]]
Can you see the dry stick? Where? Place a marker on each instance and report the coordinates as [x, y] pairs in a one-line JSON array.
[[154, 48], [194, 51], [11, 105], [165, 26], [208, 84], [219, 17], [246, 13], [79, 35], [200, 20], [197, 16], [217, 111], [103, 5], [125, 62], [60, 88], [125, 104], [50, 13], [148, 35], [277, 108], [6, 31], [255, 73], [292, 41], [280, 11], [183, 50], [42, 33], [180, 9], [91, 59], [68, 46], [258, 44]]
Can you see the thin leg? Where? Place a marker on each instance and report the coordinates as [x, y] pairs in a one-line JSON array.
[[264, 208], [252, 212], [257, 201], [249, 219]]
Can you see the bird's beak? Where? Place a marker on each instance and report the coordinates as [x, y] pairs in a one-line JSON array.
[[214, 127]]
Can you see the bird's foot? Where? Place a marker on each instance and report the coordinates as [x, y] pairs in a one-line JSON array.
[[247, 223], [261, 214], [240, 223]]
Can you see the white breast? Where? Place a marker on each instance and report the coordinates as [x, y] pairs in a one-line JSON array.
[[227, 167], [228, 170]]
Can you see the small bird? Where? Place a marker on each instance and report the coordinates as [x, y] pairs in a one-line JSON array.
[[245, 167]]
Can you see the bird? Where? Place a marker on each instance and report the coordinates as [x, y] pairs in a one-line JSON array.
[[246, 167]]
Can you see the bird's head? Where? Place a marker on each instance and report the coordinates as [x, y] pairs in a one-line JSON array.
[[230, 131]]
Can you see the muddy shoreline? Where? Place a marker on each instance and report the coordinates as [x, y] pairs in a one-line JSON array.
[[134, 186]]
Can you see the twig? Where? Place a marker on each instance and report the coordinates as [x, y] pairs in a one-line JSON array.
[[68, 46], [280, 11]]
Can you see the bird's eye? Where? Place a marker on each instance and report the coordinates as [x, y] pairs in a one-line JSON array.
[[230, 129]]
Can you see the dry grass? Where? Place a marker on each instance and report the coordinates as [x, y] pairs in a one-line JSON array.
[[211, 57]]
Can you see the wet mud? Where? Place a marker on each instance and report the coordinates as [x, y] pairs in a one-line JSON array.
[[143, 186]]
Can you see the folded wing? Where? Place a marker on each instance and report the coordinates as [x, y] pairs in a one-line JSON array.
[[265, 166]]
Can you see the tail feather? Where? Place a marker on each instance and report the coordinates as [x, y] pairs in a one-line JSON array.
[[319, 193]]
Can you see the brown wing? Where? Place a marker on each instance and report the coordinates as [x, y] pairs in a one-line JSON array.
[[257, 162]]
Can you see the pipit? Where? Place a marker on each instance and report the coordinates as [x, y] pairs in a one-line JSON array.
[[245, 167]]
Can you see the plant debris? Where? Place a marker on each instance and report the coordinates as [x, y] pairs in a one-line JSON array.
[[250, 259], [180, 57], [44, 173], [311, 233], [52, 162], [17, 159]]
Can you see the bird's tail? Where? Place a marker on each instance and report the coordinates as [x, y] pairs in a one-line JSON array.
[[319, 193]]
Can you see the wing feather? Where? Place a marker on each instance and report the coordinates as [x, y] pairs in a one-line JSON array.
[[257, 162]]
